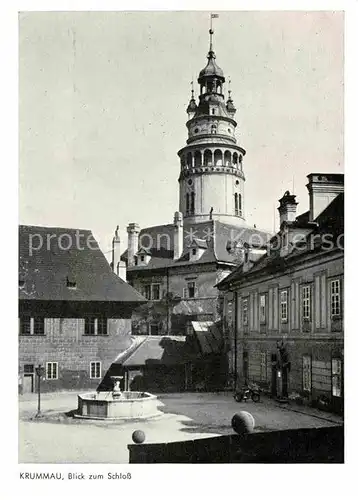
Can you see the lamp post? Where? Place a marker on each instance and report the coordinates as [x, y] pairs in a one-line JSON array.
[[40, 370]]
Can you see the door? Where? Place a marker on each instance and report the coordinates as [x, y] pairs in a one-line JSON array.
[[28, 383]]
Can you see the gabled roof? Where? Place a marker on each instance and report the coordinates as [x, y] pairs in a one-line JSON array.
[[66, 264]]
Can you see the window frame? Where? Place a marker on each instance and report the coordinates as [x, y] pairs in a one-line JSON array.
[[147, 288], [52, 363], [157, 325], [306, 303], [245, 311], [284, 306], [159, 291], [94, 321], [95, 363], [193, 288], [262, 307], [337, 305]]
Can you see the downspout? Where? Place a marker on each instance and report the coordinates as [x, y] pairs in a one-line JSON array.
[[235, 341]]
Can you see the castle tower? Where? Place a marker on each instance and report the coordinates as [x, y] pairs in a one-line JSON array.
[[211, 181]]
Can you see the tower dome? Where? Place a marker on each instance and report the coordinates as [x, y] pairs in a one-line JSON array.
[[211, 69]]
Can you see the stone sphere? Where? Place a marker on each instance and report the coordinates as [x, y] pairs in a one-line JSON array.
[[138, 437], [243, 423]]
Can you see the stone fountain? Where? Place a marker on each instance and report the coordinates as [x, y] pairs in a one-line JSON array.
[[118, 404]]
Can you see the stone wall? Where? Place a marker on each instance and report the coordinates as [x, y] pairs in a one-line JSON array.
[[64, 342]]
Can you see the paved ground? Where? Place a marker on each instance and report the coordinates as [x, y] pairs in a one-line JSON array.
[[59, 439]]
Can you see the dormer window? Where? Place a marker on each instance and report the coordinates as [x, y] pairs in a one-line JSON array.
[[193, 251], [142, 258], [71, 283]]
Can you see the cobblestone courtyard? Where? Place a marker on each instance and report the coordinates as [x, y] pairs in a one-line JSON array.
[[60, 439]]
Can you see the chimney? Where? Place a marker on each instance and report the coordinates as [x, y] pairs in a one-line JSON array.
[[133, 234], [178, 235], [287, 208], [117, 265], [323, 189]]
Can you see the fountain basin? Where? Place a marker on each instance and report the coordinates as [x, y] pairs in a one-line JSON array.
[[129, 406]]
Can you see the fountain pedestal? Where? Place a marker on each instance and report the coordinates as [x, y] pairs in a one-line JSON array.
[[116, 392]]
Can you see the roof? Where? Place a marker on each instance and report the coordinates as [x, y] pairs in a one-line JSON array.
[[209, 337], [211, 69], [216, 238], [329, 222], [66, 264], [163, 350]]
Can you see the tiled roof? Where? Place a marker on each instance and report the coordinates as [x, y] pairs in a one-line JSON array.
[[168, 350], [68, 266], [214, 236], [330, 221]]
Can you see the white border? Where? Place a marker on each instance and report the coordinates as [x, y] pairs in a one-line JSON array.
[[165, 480]]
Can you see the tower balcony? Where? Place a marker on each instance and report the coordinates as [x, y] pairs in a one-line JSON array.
[[209, 168]]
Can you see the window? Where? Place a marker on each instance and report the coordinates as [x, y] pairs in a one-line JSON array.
[[90, 326], [240, 203], [71, 283], [263, 366], [39, 326], [102, 326], [336, 377], [147, 292], [51, 371], [262, 309], [306, 373], [32, 326], [95, 369], [306, 303], [142, 258], [96, 326], [156, 292], [25, 325], [193, 251], [191, 289], [284, 306], [335, 298], [236, 201], [187, 203], [245, 318], [192, 203], [29, 369], [154, 329]]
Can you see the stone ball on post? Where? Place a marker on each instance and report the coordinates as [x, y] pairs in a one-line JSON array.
[[243, 423], [138, 437]]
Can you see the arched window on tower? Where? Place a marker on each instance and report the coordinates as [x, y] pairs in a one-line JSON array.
[[234, 159], [213, 129], [197, 159], [218, 157], [227, 158], [189, 160], [208, 157], [240, 205], [192, 203], [236, 204], [187, 203]]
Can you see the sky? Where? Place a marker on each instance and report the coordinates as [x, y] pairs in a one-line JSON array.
[[102, 100]]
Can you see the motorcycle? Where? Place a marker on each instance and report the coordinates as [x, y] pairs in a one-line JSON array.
[[250, 391]]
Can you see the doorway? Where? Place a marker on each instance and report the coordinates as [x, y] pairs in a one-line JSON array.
[[28, 379]]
